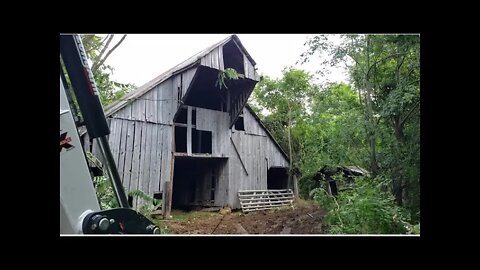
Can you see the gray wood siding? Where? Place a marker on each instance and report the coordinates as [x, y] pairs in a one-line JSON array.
[[248, 68], [214, 59], [155, 106], [258, 153], [251, 125], [216, 122], [142, 152], [182, 81]]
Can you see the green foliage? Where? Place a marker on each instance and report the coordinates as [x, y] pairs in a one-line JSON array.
[[105, 194], [364, 209], [385, 71], [148, 204], [415, 229], [227, 74], [286, 100], [335, 132], [306, 184], [103, 187], [110, 90]]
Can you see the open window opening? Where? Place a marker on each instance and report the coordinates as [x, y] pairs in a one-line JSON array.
[[239, 124], [180, 139], [201, 141], [277, 178]]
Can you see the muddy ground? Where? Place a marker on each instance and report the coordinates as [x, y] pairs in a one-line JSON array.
[[303, 218]]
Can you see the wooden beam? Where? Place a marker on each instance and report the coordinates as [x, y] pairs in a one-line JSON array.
[[194, 155], [239, 157], [186, 126], [199, 142], [168, 199], [189, 130], [228, 100]]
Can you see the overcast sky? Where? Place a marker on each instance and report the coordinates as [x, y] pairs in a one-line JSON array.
[[141, 57]]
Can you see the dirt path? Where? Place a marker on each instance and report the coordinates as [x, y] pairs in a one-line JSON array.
[[305, 218]]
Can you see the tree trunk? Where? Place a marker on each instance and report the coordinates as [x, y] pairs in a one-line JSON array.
[[369, 117], [100, 61], [399, 135], [290, 167], [398, 124]]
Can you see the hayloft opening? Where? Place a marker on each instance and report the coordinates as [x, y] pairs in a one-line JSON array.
[[277, 178], [233, 57], [205, 91]]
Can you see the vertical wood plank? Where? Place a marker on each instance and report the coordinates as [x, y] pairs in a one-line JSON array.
[[220, 58], [127, 171], [157, 177], [153, 159], [245, 66], [115, 146], [165, 157], [155, 103], [134, 178], [215, 59], [143, 160], [146, 168], [168, 201], [121, 156], [189, 130]]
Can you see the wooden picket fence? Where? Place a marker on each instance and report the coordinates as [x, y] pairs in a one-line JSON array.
[[254, 200]]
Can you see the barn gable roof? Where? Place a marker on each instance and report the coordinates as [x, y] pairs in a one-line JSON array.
[[190, 62], [187, 64]]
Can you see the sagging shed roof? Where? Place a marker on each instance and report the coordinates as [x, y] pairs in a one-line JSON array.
[[190, 62]]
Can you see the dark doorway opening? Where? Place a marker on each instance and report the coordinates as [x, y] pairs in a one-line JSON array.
[[195, 182], [277, 178]]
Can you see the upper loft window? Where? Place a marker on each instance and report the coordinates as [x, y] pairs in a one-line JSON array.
[[240, 124], [233, 57]]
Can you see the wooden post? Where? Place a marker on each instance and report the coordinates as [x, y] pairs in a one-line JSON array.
[[168, 186], [189, 130], [295, 186], [199, 142], [168, 199]]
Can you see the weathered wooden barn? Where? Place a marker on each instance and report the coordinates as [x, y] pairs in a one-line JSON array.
[[182, 128]]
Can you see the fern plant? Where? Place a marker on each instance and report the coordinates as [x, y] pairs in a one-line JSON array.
[[149, 203], [227, 74]]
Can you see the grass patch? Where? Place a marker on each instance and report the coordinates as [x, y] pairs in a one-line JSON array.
[[180, 217]]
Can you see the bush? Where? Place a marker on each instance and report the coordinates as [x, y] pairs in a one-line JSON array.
[[363, 209], [305, 185], [148, 202], [106, 196]]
